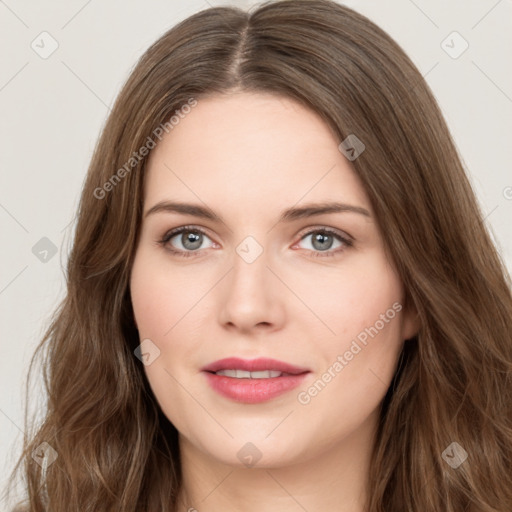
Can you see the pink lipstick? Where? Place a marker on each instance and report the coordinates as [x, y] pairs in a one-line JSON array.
[[253, 381]]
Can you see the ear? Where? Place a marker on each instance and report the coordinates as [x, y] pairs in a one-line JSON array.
[[410, 321]]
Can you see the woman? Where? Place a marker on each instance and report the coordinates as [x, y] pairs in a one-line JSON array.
[[281, 293]]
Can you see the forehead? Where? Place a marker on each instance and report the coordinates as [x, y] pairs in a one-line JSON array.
[[252, 149]]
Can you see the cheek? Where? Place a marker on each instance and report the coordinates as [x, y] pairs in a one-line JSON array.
[[355, 365], [362, 310], [356, 376], [167, 309], [161, 299], [349, 298], [161, 295]]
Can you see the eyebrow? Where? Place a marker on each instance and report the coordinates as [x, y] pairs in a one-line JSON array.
[[288, 215]]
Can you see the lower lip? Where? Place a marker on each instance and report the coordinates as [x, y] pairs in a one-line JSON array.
[[253, 391]]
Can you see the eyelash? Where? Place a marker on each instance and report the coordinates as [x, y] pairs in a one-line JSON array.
[[322, 254]]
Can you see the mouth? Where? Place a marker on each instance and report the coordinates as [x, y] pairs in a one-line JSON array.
[[253, 381]]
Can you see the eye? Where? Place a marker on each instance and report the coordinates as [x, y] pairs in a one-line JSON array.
[[323, 239], [190, 239]]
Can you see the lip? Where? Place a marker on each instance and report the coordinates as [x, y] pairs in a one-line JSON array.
[[252, 391], [254, 365]]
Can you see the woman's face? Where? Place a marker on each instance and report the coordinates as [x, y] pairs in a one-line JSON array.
[[265, 276]]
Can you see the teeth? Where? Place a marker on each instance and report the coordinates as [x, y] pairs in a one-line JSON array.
[[243, 374], [264, 374]]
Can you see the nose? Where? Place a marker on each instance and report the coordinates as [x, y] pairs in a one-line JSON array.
[[252, 297]]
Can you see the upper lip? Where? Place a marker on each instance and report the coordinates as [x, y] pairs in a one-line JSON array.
[[253, 365]]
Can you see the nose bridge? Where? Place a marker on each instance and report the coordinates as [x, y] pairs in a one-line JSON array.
[[250, 297], [250, 249], [250, 266]]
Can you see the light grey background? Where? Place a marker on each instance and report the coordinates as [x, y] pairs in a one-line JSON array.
[[53, 109]]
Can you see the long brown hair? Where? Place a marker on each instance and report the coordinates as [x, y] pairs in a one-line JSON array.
[[116, 450]]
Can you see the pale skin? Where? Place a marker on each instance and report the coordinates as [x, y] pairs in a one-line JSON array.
[[247, 157]]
